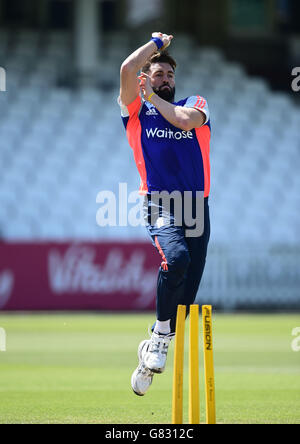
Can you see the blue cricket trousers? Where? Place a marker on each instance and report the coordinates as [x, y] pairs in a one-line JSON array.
[[183, 260]]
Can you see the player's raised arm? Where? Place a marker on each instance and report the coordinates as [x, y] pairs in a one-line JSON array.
[[129, 88]]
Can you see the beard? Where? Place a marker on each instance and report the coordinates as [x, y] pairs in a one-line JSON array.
[[167, 94]]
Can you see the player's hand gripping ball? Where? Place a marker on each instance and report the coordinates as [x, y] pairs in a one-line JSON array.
[[166, 39]]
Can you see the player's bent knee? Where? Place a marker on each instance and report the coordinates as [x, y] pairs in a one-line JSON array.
[[181, 262]]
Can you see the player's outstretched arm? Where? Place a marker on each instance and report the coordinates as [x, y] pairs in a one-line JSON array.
[[129, 88]]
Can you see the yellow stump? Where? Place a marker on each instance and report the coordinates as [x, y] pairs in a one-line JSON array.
[[209, 365], [177, 402], [194, 405]]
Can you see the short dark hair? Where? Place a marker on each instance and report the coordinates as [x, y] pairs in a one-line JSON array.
[[160, 57]]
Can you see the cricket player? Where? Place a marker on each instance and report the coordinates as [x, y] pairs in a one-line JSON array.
[[170, 142]]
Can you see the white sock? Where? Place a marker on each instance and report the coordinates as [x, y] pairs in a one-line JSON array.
[[163, 327]]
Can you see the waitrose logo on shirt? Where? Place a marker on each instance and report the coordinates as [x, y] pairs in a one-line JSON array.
[[168, 134]]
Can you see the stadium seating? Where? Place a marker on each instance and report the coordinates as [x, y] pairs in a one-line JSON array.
[[59, 147]]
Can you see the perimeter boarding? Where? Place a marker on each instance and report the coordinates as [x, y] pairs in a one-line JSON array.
[[194, 403]]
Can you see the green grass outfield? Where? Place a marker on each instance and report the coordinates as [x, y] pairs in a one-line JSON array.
[[66, 368]]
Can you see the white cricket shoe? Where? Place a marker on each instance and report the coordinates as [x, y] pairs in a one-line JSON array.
[[142, 377], [155, 354]]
